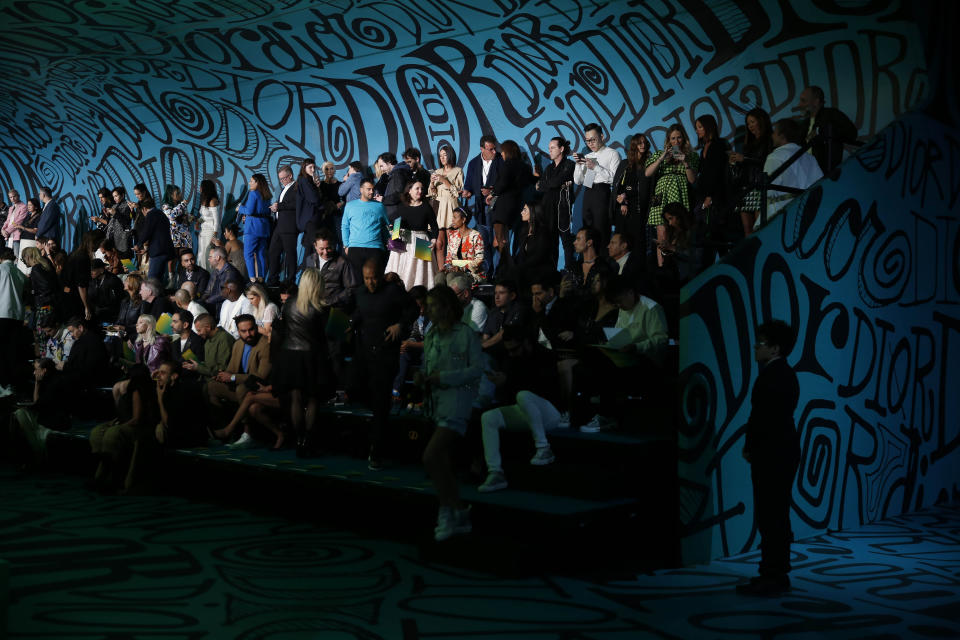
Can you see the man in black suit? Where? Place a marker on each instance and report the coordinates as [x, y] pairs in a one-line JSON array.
[[48, 226], [623, 261], [481, 174], [185, 339], [773, 450], [284, 240], [188, 271], [836, 127]]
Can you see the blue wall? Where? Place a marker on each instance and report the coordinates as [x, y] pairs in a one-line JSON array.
[[867, 269], [105, 93]]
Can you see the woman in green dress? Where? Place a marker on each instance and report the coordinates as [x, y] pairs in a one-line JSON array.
[[676, 169]]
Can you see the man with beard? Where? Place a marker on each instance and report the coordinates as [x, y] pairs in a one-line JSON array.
[[249, 363]]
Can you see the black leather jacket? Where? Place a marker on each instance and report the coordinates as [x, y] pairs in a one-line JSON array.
[[303, 332]]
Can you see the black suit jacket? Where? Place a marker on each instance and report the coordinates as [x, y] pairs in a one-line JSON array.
[[831, 121], [634, 267], [200, 276], [287, 211], [473, 182], [771, 434], [194, 343]]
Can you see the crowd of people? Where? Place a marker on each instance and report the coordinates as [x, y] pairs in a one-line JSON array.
[[439, 287]]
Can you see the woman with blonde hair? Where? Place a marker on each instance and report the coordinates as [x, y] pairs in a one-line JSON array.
[[264, 311], [301, 366], [675, 168], [150, 348], [43, 282]]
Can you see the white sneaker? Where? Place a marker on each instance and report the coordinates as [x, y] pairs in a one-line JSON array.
[[542, 457], [452, 522], [244, 442], [495, 482], [597, 424], [4, 391], [564, 421]]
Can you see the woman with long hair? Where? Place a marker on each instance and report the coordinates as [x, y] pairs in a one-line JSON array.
[[747, 165], [712, 180], [119, 228], [630, 204], [507, 196], [682, 258], [535, 246], [181, 221], [209, 224], [75, 277], [255, 210], [264, 311], [450, 377], [417, 222], [446, 183], [131, 307], [233, 245], [308, 201], [43, 283], [555, 184], [302, 365], [675, 168]]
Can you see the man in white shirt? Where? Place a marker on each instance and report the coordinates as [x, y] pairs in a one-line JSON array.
[[801, 174], [234, 304], [595, 171]]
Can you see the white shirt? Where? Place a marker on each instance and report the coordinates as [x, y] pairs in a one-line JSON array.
[[801, 174], [486, 169], [231, 310], [622, 261], [475, 315], [607, 162], [195, 309], [283, 193]]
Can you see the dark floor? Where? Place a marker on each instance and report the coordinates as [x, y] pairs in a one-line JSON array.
[[84, 565]]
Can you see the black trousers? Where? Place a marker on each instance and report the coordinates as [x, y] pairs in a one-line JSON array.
[[377, 370], [11, 334], [358, 255], [285, 244], [772, 475], [597, 374], [596, 212]]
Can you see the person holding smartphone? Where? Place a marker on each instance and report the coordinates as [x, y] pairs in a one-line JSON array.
[[675, 168], [595, 171]]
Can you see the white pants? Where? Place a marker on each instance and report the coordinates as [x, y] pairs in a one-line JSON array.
[[538, 415]]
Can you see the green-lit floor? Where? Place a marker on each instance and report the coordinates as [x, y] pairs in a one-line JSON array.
[[88, 566]]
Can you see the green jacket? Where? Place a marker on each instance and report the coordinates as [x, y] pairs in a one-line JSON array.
[[216, 352]]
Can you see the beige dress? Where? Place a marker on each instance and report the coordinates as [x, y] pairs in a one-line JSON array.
[[448, 197]]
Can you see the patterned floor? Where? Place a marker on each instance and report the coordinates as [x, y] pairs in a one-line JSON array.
[[87, 566]]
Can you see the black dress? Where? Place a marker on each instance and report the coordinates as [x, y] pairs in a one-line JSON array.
[[301, 363], [514, 175], [536, 255]]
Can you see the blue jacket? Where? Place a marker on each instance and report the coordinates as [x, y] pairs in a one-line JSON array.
[[257, 212], [364, 224], [48, 226], [350, 188]]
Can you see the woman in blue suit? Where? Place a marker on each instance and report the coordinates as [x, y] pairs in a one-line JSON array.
[[256, 226]]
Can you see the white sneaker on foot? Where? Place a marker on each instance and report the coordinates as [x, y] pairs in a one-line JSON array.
[[495, 482], [244, 442], [597, 424], [542, 457]]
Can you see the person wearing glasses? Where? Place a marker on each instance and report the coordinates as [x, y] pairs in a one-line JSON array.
[[595, 171], [772, 448]]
